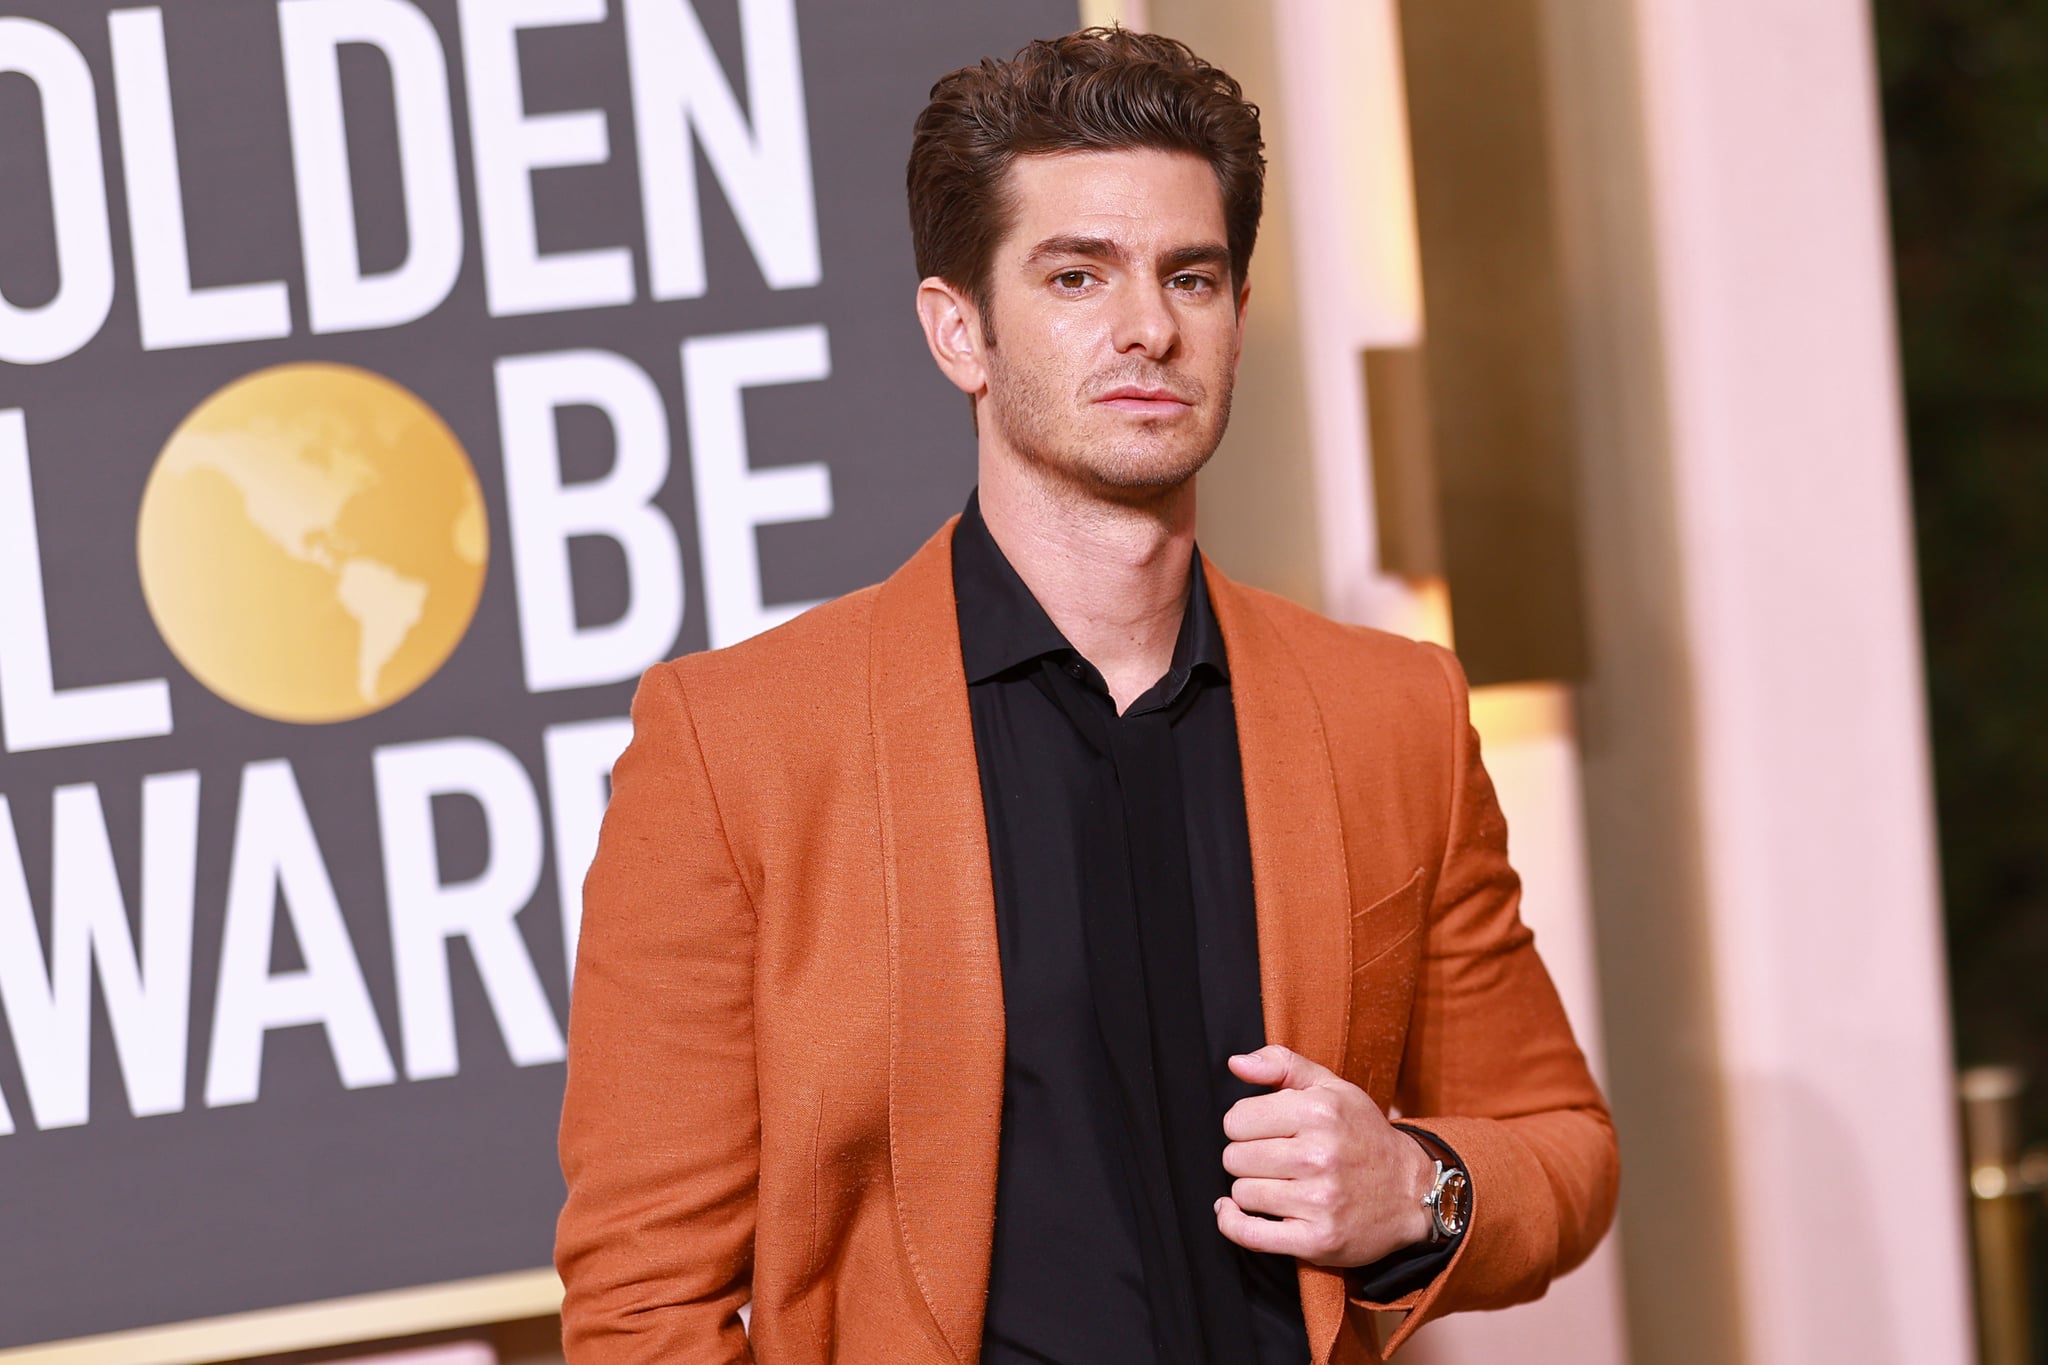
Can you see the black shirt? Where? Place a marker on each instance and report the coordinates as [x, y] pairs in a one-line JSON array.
[[1121, 858]]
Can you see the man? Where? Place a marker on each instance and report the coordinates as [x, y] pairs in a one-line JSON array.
[[1018, 961]]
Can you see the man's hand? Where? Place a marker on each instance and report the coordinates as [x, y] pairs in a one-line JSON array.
[[1318, 1155]]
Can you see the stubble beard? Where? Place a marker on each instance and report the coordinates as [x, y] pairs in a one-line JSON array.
[[1041, 423]]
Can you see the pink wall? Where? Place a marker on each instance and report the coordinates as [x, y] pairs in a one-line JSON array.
[[1799, 598]]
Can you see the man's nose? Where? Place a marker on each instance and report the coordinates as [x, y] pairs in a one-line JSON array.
[[1146, 322]]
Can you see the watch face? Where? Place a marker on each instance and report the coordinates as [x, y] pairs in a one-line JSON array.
[[1453, 1204]]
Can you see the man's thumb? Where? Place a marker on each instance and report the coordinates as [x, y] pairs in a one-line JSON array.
[[1277, 1066]]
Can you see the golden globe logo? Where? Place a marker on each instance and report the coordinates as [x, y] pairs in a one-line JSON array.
[[311, 540], [312, 543]]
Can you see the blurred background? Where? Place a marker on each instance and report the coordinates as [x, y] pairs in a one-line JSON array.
[[384, 383], [1968, 191]]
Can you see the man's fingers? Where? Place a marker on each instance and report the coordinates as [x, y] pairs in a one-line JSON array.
[[1277, 1066], [1288, 1238], [1263, 1067], [1277, 1115], [1276, 1198], [1278, 1158]]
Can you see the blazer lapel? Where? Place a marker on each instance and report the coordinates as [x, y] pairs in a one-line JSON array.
[[945, 980], [1299, 879], [946, 1033]]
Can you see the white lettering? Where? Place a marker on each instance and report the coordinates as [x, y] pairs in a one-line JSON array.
[[426, 912], [732, 498], [33, 713], [545, 515], [276, 858], [765, 171], [171, 311], [510, 145], [580, 757], [339, 296], [78, 199], [147, 997]]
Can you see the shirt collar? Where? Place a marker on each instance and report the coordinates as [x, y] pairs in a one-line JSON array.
[[1002, 625]]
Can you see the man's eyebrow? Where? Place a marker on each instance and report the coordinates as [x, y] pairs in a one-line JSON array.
[[1208, 253], [1103, 249], [1054, 248]]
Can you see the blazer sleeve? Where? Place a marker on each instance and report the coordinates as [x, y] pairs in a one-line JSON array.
[[660, 1123], [1490, 1066]]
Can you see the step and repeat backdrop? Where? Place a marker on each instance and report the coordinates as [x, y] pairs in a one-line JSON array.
[[383, 385]]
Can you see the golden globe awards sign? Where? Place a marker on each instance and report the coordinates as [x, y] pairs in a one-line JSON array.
[[383, 385]]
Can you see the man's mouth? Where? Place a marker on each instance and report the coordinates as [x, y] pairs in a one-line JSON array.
[[1144, 400]]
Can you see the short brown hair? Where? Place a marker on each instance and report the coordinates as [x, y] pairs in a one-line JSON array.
[[1101, 89]]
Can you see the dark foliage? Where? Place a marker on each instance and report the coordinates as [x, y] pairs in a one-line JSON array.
[[1965, 90]]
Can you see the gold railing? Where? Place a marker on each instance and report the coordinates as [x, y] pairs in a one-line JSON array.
[[2005, 1185]]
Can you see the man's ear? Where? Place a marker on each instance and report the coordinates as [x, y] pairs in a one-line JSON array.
[[1244, 301], [952, 328]]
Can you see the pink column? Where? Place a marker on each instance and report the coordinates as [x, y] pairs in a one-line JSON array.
[[1798, 594]]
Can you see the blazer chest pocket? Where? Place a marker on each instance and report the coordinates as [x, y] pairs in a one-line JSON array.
[[1386, 947]]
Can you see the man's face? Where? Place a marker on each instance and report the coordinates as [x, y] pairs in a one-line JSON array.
[[1115, 330]]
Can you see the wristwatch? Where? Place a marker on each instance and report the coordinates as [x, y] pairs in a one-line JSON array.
[[1449, 1202]]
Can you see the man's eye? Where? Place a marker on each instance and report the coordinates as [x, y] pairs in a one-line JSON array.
[[1071, 279], [1189, 283]]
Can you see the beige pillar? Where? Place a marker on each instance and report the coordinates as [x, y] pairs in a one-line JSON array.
[[1780, 590]]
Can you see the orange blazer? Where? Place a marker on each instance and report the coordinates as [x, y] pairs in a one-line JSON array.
[[786, 1039]]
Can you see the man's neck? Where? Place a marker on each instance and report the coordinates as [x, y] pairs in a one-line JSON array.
[[1112, 575]]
